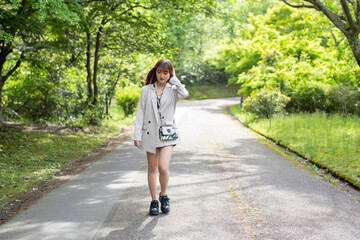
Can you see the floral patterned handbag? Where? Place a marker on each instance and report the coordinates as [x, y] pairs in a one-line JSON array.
[[168, 133]]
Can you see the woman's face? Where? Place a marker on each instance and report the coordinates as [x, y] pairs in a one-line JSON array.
[[162, 75]]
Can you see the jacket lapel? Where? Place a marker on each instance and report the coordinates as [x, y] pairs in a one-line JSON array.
[[154, 101], [167, 91]]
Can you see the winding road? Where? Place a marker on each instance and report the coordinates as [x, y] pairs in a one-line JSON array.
[[224, 184]]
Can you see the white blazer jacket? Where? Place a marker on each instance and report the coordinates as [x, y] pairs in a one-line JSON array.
[[147, 117]]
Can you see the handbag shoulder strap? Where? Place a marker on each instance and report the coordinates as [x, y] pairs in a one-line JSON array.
[[157, 101]]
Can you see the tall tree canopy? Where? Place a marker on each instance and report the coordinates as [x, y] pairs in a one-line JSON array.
[[297, 52], [25, 28], [65, 61], [344, 14], [49, 41]]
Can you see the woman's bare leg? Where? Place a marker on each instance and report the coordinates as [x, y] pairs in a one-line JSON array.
[[153, 162], [164, 162]]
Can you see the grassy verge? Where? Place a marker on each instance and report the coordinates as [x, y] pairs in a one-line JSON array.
[[329, 141], [205, 92], [31, 154]]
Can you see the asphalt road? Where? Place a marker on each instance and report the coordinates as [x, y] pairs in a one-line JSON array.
[[224, 184]]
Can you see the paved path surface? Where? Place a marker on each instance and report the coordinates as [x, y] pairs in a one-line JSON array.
[[224, 185]]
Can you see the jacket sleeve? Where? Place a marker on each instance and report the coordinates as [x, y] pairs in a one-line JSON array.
[[181, 90], [139, 117]]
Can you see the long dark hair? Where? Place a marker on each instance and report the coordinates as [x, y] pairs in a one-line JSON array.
[[151, 76]]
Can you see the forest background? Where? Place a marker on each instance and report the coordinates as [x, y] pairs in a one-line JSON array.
[[76, 68], [65, 62]]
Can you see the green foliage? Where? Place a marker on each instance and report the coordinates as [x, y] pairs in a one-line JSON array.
[[308, 97], [266, 102], [202, 73], [236, 14], [253, 43], [44, 90], [241, 56], [128, 98], [344, 98], [294, 50], [242, 9], [191, 41], [32, 96], [73, 56]]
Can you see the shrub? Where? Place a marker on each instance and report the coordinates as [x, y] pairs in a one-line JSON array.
[[307, 98], [344, 99], [127, 98], [266, 102]]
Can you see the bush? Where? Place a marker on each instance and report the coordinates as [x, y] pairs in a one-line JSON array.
[[265, 102], [127, 98], [307, 98], [344, 99]]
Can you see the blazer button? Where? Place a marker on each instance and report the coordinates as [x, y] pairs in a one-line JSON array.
[[149, 121], [147, 132]]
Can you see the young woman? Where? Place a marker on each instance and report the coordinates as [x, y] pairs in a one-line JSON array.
[[156, 108]]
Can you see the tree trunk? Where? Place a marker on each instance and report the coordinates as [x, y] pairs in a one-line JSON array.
[[1, 89], [2, 82], [96, 65], [354, 42], [5, 51], [88, 66], [107, 103]]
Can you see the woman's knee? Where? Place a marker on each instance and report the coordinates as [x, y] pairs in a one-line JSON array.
[[153, 161], [163, 170], [152, 169]]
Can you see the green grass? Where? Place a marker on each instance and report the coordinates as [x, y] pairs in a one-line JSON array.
[[211, 92], [330, 141], [29, 157]]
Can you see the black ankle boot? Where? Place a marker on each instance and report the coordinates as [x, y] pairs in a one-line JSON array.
[[154, 207], [165, 204]]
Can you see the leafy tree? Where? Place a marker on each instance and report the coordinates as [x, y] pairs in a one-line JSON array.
[[34, 90], [235, 14], [117, 27], [118, 72], [191, 40], [22, 29], [344, 14]]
